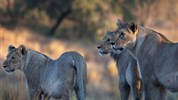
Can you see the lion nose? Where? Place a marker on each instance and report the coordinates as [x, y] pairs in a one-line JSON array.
[[99, 47], [112, 43], [4, 65]]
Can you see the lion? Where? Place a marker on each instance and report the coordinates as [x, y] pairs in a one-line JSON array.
[[157, 57], [46, 77], [128, 72]]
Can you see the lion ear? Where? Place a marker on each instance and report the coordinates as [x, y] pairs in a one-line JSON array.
[[133, 27], [22, 49], [106, 32], [118, 22], [11, 47]]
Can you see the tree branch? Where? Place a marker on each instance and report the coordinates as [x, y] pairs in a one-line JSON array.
[[62, 16]]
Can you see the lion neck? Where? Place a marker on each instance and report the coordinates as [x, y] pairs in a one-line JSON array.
[[147, 43], [138, 42], [144, 41], [34, 59], [115, 54], [35, 65]]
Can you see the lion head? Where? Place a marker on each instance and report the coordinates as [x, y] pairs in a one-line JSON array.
[[15, 58], [104, 46], [124, 36]]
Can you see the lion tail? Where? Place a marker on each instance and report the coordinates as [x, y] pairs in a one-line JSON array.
[[81, 69]]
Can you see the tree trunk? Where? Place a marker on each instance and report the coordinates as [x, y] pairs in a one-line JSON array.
[[59, 20]]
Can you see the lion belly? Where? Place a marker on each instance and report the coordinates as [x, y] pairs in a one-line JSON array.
[[167, 68], [170, 81]]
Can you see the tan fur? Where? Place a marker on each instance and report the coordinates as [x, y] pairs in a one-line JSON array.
[[157, 56], [50, 78], [129, 77]]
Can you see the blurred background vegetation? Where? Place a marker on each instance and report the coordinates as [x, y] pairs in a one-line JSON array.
[[55, 26]]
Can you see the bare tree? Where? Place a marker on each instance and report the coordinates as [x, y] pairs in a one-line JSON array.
[[144, 10], [59, 20], [173, 12], [141, 12]]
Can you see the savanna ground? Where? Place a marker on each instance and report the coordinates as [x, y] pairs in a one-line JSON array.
[[102, 80], [79, 31], [102, 73]]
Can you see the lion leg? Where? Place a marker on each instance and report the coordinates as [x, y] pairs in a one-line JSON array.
[[65, 97], [38, 96], [124, 89], [135, 81], [170, 81], [136, 87], [46, 97], [163, 93], [35, 95], [151, 91]]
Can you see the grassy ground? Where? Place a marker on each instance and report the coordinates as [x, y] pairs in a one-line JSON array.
[[102, 73], [13, 86]]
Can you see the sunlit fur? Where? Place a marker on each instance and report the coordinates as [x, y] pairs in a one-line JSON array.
[[47, 77], [157, 57], [128, 72]]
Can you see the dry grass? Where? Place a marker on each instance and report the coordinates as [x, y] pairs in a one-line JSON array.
[[102, 73], [13, 86]]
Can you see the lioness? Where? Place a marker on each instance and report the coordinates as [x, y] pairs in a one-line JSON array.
[[128, 71], [157, 56], [51, 78]]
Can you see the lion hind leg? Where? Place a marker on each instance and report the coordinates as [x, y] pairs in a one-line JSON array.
[[170, 81], [136, 88], [151, 91], [124, 88], [124, 92]]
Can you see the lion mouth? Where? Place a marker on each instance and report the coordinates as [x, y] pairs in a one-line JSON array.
[[10, 70], [118, 48], [103, 52]]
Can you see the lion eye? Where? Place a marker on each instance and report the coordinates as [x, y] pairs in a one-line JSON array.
[[13, 58], [121, 34], [107, 40]]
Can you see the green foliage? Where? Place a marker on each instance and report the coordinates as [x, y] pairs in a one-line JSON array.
[[86, 17]]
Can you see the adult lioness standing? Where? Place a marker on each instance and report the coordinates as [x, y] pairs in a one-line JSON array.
[[157, 56], [51, 78]]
